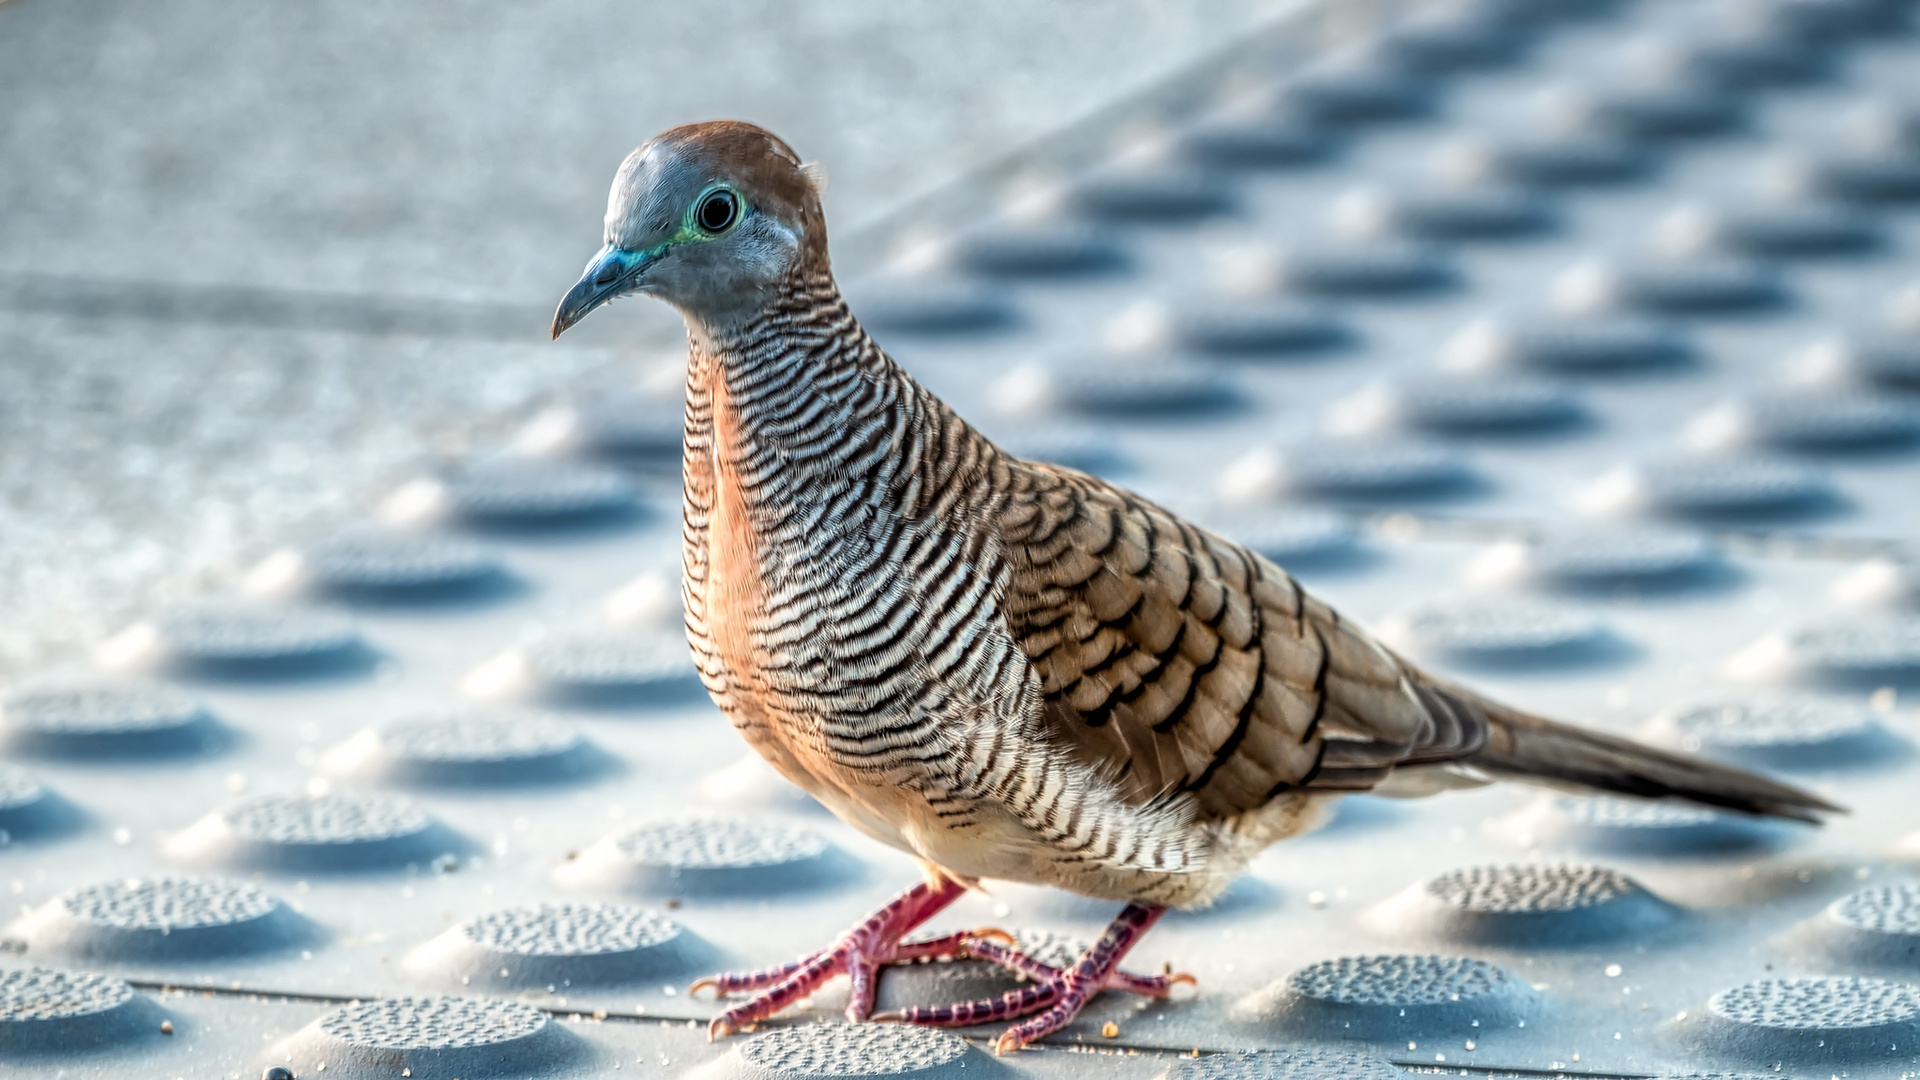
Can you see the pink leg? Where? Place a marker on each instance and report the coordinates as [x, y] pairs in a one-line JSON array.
[[858, 954], [1062, 992]]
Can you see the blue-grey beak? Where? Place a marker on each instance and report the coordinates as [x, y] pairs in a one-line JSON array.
[[606, 276]]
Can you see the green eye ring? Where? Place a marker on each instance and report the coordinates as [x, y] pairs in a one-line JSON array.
[[715, 211]]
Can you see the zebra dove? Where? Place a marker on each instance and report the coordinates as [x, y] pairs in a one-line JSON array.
[[1008, 669]]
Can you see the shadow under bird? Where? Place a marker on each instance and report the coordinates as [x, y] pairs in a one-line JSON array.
[[1008, 669]]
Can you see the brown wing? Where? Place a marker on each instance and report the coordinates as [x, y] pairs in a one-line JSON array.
[[1180, 663]]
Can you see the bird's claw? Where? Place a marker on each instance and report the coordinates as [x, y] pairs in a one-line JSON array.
[[706, 982]]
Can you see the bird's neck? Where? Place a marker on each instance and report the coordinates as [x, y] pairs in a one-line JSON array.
[[801, 405]]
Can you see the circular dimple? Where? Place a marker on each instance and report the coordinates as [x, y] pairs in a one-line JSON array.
[[232, 641], [709, 856], [606, 670], [1569, 160], [1571, 347], [1357, 94], [1259, 330], [1531, 889], [1838, 1004], [1700, 287], [371, 564], [1870, 176], [1400, 981], [1365, 471], [1141, 390], [933, 307], [1255, 142], [1166, 196], [103, 721], [1380, 270], [326, 833], [1799, 230], [1282, 1065], [43, 1010], [1487, 213], [1502, 634], [1610, 558], [517, 491], [465, 748], [1470, 406], [1789, 733], [1040, 252], [838, 1051], [1804, 421], [1713, 487], [1667, 112]]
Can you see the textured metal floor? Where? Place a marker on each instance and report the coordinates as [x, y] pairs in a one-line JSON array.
[[1573, 345]]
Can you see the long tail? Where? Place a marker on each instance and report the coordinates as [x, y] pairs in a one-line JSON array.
[[1521, 746]]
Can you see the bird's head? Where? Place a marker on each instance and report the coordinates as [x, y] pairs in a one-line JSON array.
[[708, 217]]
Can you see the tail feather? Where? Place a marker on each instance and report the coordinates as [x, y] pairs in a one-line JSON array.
[[1522, 746]]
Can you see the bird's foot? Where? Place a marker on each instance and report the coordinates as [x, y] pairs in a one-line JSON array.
[[1056, 994], [858, 954]]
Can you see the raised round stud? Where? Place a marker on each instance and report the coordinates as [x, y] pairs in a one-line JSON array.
[[1290, 537], [521, 492], [46, 1011], [1358, 94], [1282, 1065], [1854, 654], [1667, 112], [1501, 634], [1869, 177], [1142, 390], [327, 833], [1262, 141], [1756, 60], [465, 749], [632, 428], [1796, 231], [220, 640], [368, 565], [931, 307], [847, 1051], [1836, 20], [1533, 904], [1890, 362], [1370, 270], [1591, 347], [1602, 561], [432, 1036], [100, 722], [1836, 1018], [1810, 422], [1476, 213], [1152, 196], [1449, 40], [169, 919], [1396, 996], [1034, 252], [1877, 927], [1779, 733], [1573, 160], [1361, 472], [1260, 330], [708, 856], [1455, 406], [1699, 287], [1641, 827], [598, 670], [1710, 488], [942, 983], [559, 944]]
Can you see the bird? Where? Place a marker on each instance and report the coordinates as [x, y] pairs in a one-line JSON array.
[[1008, 669]]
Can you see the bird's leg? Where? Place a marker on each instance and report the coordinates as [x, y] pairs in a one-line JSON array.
[[859, 954], [1062, 992]]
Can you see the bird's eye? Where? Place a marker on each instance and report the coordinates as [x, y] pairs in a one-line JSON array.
[[717, 211]]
